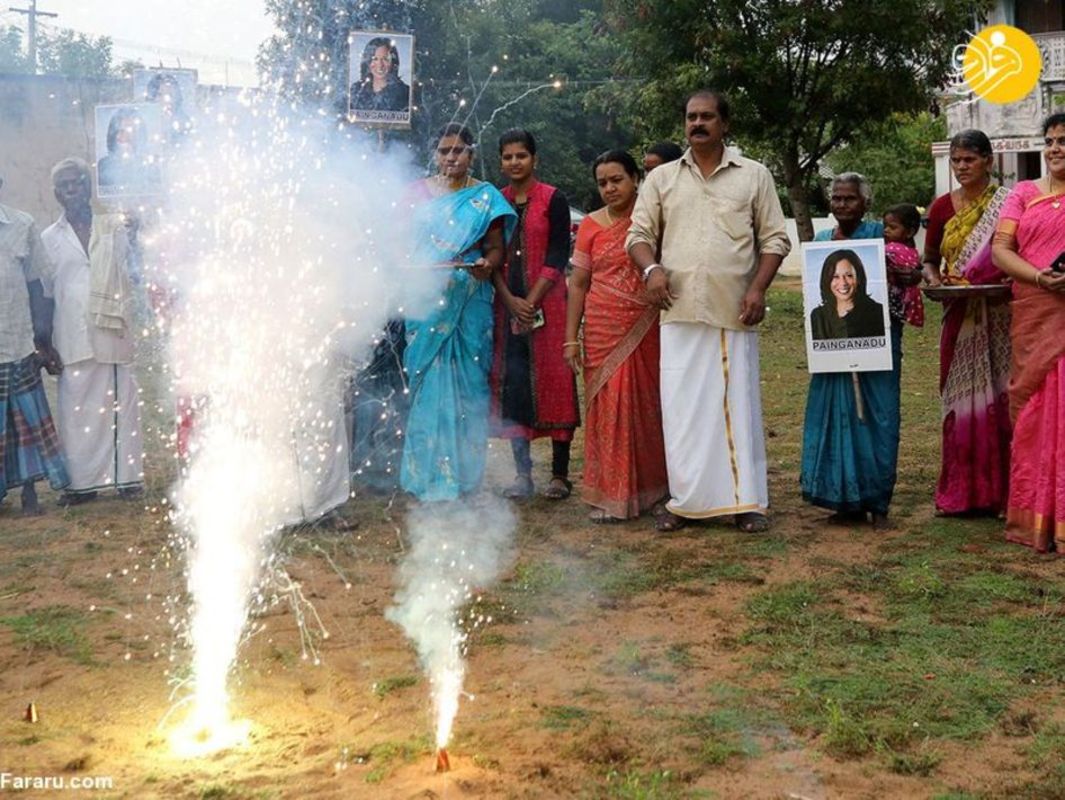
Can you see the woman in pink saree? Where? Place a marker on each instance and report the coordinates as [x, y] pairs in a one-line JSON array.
[[974, 350], [1030, 247]]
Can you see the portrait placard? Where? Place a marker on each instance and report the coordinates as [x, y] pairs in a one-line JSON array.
[[380, 77], [128, 142], [845, 299], [174, 90]]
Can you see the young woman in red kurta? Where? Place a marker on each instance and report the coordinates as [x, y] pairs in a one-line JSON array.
[[534, 393]]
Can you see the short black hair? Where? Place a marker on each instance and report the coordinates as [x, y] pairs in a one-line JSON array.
[[907, 214], [1053, 121], [518, 136], [722, 102], [628, 163], [667, 151], [972, 139], [456, 129]]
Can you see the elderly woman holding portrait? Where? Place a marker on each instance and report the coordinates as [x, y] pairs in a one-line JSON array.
[[462, 225], [1029, 246], [851, 433], [974, 349], [846, 311]]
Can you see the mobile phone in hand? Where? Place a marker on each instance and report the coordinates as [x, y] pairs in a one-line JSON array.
[[1058, 266]]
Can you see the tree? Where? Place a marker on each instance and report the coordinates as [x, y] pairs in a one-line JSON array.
[[490, 64], [65, 52], [805, 76], [895, 157], [76, 55], [12, 57]]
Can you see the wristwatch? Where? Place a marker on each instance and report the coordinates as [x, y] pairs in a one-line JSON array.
[[648, 270]]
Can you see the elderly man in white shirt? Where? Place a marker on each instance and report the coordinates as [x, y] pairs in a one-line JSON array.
[[29, 446], [716, 219], [98, 399]]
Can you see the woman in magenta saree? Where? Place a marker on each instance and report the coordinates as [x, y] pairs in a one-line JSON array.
[[974, 354], [1029, 240]]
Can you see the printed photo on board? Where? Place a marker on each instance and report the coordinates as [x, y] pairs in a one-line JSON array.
[[380, 78], [845, 297], [175, 92], [127, 147]]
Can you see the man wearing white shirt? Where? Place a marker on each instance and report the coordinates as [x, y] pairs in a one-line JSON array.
[[29, 446], [98, 401], [716, 219]]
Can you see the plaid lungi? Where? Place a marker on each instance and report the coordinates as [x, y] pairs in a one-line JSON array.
[[29, 445]]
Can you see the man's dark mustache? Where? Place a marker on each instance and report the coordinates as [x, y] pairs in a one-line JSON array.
[[700, 129]]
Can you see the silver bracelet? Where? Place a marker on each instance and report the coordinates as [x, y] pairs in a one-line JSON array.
[[648, 270]]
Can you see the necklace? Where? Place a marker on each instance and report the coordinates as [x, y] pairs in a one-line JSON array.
[[1057, 201], [445, 185]]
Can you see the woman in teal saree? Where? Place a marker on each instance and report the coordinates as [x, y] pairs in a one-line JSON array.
[[461, 225]]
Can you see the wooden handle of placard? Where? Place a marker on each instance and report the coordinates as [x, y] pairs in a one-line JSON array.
[[858, 396]]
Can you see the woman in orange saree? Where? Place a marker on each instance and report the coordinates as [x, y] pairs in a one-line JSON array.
[[624, 454], [1030, 247]]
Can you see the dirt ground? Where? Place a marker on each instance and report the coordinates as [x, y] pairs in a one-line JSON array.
[[620, 663]]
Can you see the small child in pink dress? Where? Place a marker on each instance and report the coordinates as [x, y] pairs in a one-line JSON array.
[[901, 224]]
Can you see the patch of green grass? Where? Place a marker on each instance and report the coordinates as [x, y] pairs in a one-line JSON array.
[[386, 686], [537, 578], [221, 791], [654, 785], [630, 659], [679, 655], [489, 609], [383, 756], [921, 763], [1047, 747], [56, 629], [562, 718], [721, 735]]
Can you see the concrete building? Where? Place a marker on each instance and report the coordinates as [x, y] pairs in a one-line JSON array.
[[1014, 128]]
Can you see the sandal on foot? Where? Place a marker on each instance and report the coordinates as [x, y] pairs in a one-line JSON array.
[[846, 518], [882, 523], [558, 489], [666, 521], [600, 517], [521, 489], [335, 522], [68, 499], [752, 522]]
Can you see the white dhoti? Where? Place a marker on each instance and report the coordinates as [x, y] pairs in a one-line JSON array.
[[321, 444], [99, 421], [712, 421]]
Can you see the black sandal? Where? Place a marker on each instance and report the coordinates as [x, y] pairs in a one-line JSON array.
[[521, 489], [665, 520], [558, 488]]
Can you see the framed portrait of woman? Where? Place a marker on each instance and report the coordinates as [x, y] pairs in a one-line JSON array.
[[845, 300], [128, 143], [380, 77], [174, 91]]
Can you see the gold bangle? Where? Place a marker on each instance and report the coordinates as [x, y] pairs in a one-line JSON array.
[[568, 344], [1038, 282]]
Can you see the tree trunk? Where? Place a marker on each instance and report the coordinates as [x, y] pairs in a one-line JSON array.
[[800, 206]]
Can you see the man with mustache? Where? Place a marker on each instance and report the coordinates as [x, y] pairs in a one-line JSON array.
[[716, 219]]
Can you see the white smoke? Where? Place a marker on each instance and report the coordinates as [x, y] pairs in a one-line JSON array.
[[283, 250], [456, 550]]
